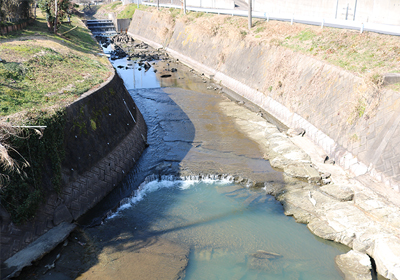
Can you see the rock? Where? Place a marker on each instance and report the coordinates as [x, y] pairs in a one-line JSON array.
[[326, 181], [292, 132], [328, 160], [324, 230], [339, 192], [173, 70], [147, 66], [303, 171], [325, 175], [391, 78], [261, 254], [354, 265], [386, 253], [263, 260]]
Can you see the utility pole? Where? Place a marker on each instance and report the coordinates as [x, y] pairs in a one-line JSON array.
[[337, 5], [250, 16], [158, 5], [184, 7], [354, 12]]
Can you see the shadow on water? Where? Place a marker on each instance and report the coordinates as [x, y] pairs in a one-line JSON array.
[[161, 157]]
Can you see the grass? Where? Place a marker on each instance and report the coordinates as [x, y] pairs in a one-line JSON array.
[[128, 11], [41, 69], [121, 11], [369, 55], [365, 54]]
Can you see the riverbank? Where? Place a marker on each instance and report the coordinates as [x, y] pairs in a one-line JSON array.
[[345, 211]]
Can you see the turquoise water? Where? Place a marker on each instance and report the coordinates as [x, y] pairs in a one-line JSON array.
[[226, 225]]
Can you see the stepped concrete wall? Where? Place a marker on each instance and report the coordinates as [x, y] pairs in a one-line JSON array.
[[298, 90], [104, 135]]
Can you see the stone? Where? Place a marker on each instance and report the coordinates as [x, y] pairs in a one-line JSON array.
[[292, 132], [62, 214], [303, 171], [36, 250], [261, 254], [263, 260], [325, 175], [386, 253], [354, 265], [391, 78], [326, 181], [339, 192]]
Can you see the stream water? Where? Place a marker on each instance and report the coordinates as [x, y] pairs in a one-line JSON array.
[[228, 230]]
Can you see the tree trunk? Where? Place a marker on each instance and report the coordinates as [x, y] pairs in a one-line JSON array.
[[55, 16]]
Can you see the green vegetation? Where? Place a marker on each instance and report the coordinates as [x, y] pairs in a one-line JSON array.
[[23, 193], [115, 4], [367, 53], [259, 29], [128, 11], [121, 11], [43, 71], [304, 35], [40, 73]]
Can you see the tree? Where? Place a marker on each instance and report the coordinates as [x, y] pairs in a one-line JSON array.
[[55, 11], [15, 9]]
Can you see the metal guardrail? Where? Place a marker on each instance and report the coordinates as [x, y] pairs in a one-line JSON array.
[[344, 24]]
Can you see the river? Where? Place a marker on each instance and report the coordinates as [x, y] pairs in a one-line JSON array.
[[194, 206]]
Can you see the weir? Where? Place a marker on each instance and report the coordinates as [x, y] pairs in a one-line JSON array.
[[101, 27]]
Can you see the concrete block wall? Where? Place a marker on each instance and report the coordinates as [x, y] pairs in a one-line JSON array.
[[298, 90], [103, 138]]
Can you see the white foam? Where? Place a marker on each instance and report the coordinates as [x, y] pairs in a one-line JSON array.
[[148, 187]]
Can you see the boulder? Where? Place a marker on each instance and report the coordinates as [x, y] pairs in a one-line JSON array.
[[339, 192], [305, 171], [354, 265], [292, 132]]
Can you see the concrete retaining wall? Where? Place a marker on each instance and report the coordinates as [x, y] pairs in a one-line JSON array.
[[298, 90], [103, 138], [374, 11]]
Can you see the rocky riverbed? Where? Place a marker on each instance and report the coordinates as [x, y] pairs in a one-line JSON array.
[[334, 204]]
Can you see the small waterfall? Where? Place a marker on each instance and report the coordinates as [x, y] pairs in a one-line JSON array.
[[101, 27]]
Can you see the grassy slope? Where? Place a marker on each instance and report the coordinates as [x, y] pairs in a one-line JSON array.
[[121, 11], [369, 55], [42, 69]]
